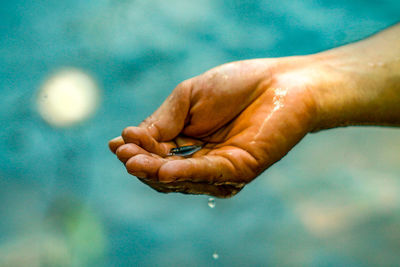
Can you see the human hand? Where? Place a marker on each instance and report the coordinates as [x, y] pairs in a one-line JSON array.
[[246, 115]]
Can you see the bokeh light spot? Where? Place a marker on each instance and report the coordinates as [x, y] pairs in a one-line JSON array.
[[67, 97]]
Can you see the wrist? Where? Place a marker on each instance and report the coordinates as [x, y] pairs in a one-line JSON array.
[[359, 85]]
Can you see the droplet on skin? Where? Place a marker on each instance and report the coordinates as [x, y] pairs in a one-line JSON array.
[[211, 202], [215, 256]]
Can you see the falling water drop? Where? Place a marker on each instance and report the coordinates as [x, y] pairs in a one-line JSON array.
[[215, 256], [211, 202]]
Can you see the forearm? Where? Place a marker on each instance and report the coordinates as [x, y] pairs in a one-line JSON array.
[[362, 83]]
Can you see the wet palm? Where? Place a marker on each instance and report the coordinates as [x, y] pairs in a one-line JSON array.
[[246, 115]]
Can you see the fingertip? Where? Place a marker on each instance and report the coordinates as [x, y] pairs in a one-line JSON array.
[[171, 171], [115, 143], [132, 134], [126, 151], [143, 166], [142, 137]]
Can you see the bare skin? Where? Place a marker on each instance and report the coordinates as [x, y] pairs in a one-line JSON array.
[[249, 114]]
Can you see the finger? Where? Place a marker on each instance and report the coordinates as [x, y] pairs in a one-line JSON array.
[[208, 169], [144, 166], [142, 138], [126, 151], [169, 119], [115, 143]]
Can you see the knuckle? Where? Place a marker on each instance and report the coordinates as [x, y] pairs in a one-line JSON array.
[[184, 86], [147, 121]]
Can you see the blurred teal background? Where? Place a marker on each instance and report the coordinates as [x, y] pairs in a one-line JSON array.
[[66, 201]]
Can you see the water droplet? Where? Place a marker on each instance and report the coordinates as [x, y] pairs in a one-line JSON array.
[[211, 203], [215, 256]]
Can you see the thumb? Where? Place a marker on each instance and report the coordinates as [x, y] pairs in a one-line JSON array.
[[169, 119]]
